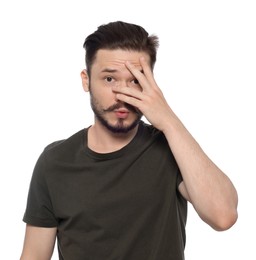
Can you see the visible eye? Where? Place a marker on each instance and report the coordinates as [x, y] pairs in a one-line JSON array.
[[135, 81], [109, 79]]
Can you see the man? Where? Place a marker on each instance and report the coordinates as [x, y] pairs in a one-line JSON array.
[[119, 188]]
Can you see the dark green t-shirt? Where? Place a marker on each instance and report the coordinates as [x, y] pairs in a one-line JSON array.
[[122, 205]]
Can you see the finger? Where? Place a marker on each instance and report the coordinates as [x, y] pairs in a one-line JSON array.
[[129, 100], [139, 75], [128, 92], [147, 70]]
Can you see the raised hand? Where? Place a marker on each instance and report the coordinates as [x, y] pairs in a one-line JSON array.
[[149, 98]]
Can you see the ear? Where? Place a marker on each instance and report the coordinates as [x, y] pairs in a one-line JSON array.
[[85, 80]]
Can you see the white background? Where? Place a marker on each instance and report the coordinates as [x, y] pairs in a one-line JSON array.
[[206, 67]]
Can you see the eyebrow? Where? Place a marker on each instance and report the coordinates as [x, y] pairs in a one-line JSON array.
[[109, 70]]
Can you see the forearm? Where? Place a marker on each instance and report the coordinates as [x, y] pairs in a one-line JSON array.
[[208, 188], [210, 191]]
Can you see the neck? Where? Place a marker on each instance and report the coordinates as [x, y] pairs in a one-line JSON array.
[[102, 140]]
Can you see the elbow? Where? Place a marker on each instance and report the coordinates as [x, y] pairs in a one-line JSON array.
[[225, 221], [226, 215], [220, 218]]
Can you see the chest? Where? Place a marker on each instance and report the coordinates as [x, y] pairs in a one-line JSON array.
[[134, 183]]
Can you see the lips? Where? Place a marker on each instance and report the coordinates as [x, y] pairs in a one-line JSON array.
[[122, 113]]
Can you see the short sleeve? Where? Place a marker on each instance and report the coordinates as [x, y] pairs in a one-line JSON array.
[[39, 210]]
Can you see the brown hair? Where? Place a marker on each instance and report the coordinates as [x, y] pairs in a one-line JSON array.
[[120, 35]]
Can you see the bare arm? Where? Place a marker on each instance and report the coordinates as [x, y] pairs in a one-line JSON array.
[[209, 190], [38, 243]]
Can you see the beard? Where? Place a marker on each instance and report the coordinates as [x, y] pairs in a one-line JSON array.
[[120, 126]]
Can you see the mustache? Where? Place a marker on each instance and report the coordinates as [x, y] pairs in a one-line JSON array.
[[122, 105]]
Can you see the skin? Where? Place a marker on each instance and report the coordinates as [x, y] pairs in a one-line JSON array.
[[38, 243], [114, 79], [111, 65]]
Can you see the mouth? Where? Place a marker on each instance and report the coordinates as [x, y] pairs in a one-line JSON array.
[[122, 113], [122, 110]]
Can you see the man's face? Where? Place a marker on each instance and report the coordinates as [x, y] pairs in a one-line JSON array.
[[109, 70]]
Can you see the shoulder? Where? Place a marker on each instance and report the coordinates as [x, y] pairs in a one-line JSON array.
[[149, 131], [58, 154], [65, 147], [149, 137]]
